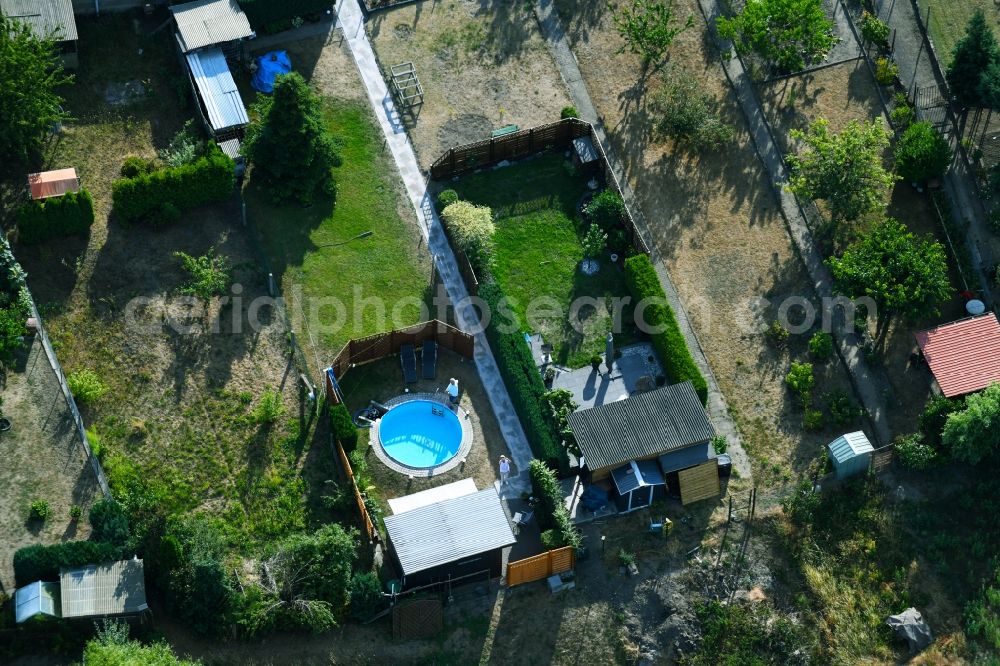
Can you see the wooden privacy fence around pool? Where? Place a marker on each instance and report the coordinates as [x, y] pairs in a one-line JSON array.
[[381, 345], [541, 566], [366, 519], [531, 141]]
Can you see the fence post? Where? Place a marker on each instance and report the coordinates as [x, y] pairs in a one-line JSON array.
[[531, 139]]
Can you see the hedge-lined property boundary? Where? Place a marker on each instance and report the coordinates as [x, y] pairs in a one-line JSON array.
[[643, 283], [162, 194], [40, 562], [45, 219], [552, 512], [524, 383]]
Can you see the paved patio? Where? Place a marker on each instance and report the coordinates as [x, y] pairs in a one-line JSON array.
[[636, 365]]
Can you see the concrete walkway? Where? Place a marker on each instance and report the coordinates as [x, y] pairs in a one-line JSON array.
[[871, 386], [351, 20], [914, 54], [718, 410]]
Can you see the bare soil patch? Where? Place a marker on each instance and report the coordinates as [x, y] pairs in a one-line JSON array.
[[43, 459], [482, 64], [326, 62], [718, 226]]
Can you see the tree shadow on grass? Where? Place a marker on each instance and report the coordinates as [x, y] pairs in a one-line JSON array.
[[285, 231]]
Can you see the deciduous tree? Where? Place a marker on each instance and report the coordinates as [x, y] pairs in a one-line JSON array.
[[844, 169], [971, 434], [288, 143], [789, 34], [922, 153], [30, 104], [905, 275], [648, 27]]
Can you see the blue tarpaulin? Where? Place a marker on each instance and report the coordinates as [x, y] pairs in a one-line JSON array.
[[269, 66]]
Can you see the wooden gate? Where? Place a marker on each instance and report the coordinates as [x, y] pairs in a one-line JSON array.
[[541, 566], [881, 459]]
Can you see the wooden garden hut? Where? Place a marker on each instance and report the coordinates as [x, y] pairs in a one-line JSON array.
[[48, 18], [647, 443]]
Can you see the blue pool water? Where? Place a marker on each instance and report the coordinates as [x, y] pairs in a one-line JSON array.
[[420, 433]]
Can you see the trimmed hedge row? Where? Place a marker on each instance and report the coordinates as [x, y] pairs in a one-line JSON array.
[[66, 215], [343, 428], [643, 283], [157, 195], [40, 562], [551, 509], [524, 383]]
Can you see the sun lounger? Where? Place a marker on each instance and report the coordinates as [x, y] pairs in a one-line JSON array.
[[408, 359], [430, 359]]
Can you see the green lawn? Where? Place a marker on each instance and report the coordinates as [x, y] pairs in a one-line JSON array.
[[949, 18], [538, 253], [312, 250]]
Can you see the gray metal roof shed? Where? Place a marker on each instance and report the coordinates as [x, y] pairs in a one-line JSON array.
[[642, 426], [449, 531], [44, 16], [686, 457], [220, 100], [209, 22], [114, 588]]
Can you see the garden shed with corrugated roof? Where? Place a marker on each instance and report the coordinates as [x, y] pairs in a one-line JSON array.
[[851, 454]]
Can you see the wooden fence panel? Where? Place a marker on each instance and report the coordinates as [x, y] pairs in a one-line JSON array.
[[541, 566], [366, 521], [882, 459], [700, 482]]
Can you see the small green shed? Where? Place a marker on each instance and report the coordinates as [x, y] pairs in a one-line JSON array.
[[850, 454]]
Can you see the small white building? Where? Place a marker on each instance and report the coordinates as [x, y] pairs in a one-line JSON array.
[[851, 454]]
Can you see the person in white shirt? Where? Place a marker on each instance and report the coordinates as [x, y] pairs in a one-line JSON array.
[[452, 391], [504, 469]]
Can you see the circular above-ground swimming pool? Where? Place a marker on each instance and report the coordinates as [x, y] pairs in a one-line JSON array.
[[421, 434]]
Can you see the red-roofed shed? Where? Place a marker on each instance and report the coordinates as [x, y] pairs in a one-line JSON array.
[[963, 355], [53, 183]]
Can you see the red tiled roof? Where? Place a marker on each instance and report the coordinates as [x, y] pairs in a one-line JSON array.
[[964, 355]]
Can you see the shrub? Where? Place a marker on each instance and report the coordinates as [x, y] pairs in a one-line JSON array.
[[644, 286], [935, 415], [75, 512], [606, 209], [777, 334], [366, 595], [471, 230], [109, 522], [842, 409], [39, 510], [800, 380], [802, 504], [523, 381], [874, 29], [551, 539], [96, 447], [913, 453], [208, 179], [821, 346], [982, 614], [813, 419], [789, 34], [446, 198], [55, 217], [343, 428], [184, 147], [12, 332], [720, 443], [269, 409], [40, 562], [688, 114], [886, 71], [568, 112], [208, 275], [86, 387], [902, 116], [135, 166], [922, 153], [594, 242]]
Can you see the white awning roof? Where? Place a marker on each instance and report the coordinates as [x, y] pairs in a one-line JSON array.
[[217, 89], [432, 496]]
